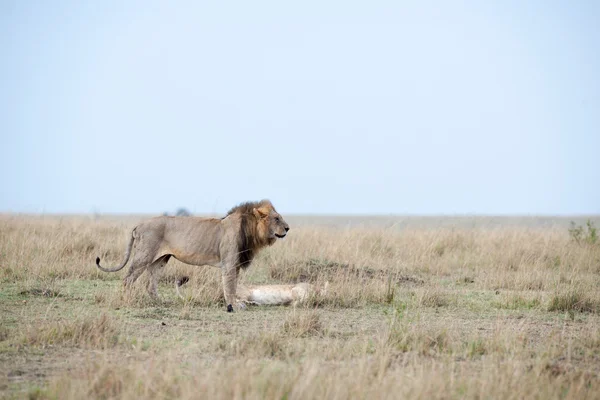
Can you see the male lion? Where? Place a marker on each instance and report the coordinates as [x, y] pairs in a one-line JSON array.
[[229, 243]]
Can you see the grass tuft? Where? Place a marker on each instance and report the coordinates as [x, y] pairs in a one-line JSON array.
[[303, 323], [90, 331], [433, 298], [574, 300]]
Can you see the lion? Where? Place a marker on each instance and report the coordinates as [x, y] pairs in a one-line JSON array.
[[229, 243], [272, 295]]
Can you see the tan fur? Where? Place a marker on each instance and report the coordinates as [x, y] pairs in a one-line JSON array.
[[229, 243], [273, 295], [279, 294]]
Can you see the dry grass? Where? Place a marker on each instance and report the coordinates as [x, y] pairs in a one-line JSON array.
[[476, 310], [89, 331], [369, 377], [575, 300], [303, 323]]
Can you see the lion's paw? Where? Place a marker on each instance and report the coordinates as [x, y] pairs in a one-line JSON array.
[[239, 306]]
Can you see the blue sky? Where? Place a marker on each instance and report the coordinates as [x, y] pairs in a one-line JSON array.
[[443, 107]]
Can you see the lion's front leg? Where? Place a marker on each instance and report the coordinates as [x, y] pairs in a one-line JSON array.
[[230, 275]]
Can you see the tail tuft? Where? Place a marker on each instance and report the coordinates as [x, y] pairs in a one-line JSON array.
[[98, 261]]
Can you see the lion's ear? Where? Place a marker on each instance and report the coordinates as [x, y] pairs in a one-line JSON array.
[[259, 213]]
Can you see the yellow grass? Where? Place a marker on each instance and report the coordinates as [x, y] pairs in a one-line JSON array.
[[446, 310]]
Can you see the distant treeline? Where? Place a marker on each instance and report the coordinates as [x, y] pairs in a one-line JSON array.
[[181, 212]]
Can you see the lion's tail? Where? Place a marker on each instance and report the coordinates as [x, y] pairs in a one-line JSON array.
[[127, 254], [179, 283]]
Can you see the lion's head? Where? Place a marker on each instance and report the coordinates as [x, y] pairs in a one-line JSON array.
[[267, 224], [270, 223]]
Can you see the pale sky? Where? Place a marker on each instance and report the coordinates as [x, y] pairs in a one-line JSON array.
[[441, 107]]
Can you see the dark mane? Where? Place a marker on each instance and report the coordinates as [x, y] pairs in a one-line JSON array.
[[245, 250], [247, 241], [247, 207]]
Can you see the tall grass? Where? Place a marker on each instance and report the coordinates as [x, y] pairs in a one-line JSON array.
[[370, 377], [89, 331], [359, 263], [473, 312]]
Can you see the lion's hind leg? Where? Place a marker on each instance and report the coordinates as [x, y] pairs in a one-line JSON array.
[[136, 268], [134, 272], [154, 271]]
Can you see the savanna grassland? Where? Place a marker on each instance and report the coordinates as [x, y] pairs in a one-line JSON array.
[[425, 308]]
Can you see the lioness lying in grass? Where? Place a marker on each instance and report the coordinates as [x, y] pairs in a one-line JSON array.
[[271, 295]]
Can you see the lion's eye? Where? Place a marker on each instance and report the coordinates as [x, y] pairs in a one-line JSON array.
[[277, 219]]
